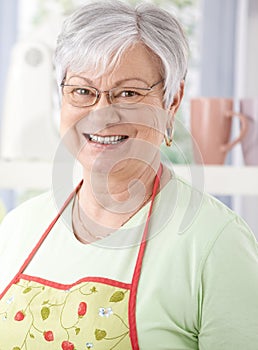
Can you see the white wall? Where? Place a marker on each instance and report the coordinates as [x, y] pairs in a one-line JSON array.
[[251, 84], [247, 86]]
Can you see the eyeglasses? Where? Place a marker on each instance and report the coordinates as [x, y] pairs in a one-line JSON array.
[[86, 96]]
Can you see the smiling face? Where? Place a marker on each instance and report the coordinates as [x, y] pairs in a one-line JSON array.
[[116, 137]]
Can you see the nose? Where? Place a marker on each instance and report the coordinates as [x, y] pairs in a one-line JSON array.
[[104, 111], [103, 100]]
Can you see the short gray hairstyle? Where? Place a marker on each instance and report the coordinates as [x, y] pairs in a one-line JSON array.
[[97, 34]]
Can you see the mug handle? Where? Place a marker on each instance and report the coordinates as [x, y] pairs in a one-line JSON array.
[[243, 130]]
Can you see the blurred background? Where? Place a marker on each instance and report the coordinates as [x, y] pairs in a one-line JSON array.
[[223, 55]]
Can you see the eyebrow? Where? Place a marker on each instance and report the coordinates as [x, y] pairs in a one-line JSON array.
[[89, 81]]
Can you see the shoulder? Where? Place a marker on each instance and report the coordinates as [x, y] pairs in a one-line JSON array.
[[203, 213], [33, 213], [34, 205], [214, 234], [198, 222], [20, 231]]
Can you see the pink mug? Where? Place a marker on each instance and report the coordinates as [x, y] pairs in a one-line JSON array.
[[249, 106], [211, 123]]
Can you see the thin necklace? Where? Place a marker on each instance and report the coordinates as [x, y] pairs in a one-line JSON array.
[[78, 220]]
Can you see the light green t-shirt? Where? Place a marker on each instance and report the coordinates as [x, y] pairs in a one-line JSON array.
[[199, 282]]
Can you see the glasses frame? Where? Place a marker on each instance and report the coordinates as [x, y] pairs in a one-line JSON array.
[[108, 93]]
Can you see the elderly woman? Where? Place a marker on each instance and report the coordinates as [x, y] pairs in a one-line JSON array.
[[135, 258]]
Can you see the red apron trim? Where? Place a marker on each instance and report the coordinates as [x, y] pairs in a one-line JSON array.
[[136, 275], [62, 286], [137, 270]]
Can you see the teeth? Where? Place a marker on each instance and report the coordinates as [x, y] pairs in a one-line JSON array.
[[106, 139]]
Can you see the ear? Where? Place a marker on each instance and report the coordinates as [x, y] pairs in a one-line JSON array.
[[177, 99]]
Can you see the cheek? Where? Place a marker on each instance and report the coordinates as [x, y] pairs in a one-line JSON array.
[[152, 135], [69, 116], [153, 125], [70, 137]]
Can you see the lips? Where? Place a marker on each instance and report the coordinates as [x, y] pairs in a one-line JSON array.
[[106, 140]]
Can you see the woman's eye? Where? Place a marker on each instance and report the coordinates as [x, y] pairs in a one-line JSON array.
[[82, 91], [129, 93]]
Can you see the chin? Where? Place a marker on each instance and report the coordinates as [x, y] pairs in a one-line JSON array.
[[96, 165]]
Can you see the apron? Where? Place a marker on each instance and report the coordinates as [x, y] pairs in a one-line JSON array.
[[92, 313]]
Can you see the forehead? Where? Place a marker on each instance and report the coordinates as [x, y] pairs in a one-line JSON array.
[[136, 63]]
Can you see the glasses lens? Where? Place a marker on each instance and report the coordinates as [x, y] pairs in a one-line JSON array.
[[80, 96], [127, 95]]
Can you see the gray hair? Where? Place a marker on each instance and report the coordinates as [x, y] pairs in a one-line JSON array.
[[97, 34]]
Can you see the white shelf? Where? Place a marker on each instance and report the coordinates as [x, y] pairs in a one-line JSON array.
[[224, 180], [219, 180], [25, 175]]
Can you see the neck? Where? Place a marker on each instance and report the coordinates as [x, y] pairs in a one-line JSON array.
[[116, 194], [106, 203]]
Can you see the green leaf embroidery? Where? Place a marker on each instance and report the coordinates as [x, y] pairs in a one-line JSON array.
[[27, 290], [45, 302], [77, 331], [117, 296], [45, 311], [16, 348], [100, 334], [32, 336]]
